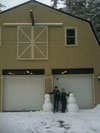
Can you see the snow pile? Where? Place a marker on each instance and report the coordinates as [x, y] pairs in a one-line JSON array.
[[72, 105], [85, 121], [97, 107], [47, 106]]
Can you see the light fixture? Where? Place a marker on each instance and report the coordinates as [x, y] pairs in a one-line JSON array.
[[28, 71], [64, 72], [10, 73]]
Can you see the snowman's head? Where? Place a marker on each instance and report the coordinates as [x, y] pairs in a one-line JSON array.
[[47, 96], [71, 95]]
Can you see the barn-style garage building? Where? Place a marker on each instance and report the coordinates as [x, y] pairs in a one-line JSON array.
[[41, 47]]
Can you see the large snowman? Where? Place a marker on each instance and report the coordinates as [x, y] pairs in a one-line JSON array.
[[72, 105], [47, 106]]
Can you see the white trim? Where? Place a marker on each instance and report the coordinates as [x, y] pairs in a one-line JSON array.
[[25, 34], [76, 37], [45, 29], [29, 59], [49, 24], [17, 42], [47, 42], [24, 42], [30, 24], [93, 90], [40, 34], [1, 93], [40, 51], [25, 50], [0, 36], [40, 42], [32, 44]]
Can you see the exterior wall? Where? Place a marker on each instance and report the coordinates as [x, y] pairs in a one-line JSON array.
[[97, 73], [85, 55], [0, 90]]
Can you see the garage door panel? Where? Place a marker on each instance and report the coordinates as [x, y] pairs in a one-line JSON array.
[[80, 85], [23, 93]]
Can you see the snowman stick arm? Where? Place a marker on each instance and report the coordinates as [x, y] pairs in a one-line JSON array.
[[67, 94]]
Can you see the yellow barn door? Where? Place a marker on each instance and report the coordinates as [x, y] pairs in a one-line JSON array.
[[32, 43]]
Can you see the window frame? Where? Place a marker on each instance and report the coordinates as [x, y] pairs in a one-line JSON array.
[[76, 43]]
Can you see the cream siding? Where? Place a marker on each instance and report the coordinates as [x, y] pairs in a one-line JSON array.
[[85, 55], [0, 36]]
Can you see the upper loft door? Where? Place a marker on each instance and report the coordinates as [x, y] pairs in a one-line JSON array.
[[32, 43]]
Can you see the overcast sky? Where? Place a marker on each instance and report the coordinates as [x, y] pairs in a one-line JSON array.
[[12, 3]]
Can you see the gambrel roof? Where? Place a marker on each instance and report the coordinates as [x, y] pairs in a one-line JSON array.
[[55, 10]]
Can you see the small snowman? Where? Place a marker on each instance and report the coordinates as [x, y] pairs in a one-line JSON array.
[[47, 106], [72, 105]]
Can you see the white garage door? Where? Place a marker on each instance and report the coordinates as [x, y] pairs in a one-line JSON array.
[[80, 85], [23, 93]]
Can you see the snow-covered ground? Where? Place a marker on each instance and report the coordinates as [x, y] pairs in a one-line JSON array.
[[85, 121]]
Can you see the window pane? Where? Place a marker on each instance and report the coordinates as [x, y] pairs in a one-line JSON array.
[[70, 40], [70, 32]]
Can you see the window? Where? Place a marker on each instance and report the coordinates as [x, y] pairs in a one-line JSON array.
[[71, 37], [23, 72]]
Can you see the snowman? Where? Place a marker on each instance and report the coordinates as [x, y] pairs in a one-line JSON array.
[[47, 106], [72, 105]]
